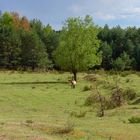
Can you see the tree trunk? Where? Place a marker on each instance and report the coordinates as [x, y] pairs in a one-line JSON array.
[[75, 76]]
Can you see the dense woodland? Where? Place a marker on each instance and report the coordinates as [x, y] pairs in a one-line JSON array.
[[26, 44]]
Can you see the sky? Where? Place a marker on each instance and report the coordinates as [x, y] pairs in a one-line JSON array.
[[54, 12]]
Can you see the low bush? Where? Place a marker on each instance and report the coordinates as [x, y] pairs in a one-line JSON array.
[[127, 80], [87, 88], [116, 98], [136, 101], [92, 99], [79, 114], [134, 120], [129, 94], [137, 73], [29, 121], [91, 77], [125, 73], [67, 128]]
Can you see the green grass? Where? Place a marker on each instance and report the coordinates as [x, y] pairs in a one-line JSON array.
[[34, 105]]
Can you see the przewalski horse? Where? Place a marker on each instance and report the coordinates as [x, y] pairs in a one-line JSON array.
[[73, 83]]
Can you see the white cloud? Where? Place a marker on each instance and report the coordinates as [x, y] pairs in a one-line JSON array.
[[132, 11], [107, 9], [107, 16], [100, 15]]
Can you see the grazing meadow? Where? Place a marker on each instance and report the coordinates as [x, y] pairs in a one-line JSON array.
[[43, 106]]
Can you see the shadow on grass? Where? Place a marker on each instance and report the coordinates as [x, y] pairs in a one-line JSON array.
[[26, 83]]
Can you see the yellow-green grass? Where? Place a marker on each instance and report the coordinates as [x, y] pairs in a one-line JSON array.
[[34, 105]]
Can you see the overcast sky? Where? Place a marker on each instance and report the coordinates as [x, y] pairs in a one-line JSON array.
[[112, 12]]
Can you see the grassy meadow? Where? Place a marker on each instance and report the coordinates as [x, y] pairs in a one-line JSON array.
[[43, 106]]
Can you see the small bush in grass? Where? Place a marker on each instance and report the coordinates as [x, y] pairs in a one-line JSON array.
[[125, 73], [87, 88], [111, 72], [119, 97], [92, 99], [129, 94], [138, 74], [29, 121], [100, 113], [92, 77], [108, 104], [127, 80], [79, 114], [98, 100], [67, 128], [116, 98], [2, 123], [95, 99], [137, 101], [134, 120]]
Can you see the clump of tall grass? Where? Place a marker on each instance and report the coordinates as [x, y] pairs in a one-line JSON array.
[[134, 120], [87, 88], [67, 128], [79, 114]]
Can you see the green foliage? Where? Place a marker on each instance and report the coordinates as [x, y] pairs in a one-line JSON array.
[[123, 62], [134, 120], [79, 114], [50, 103], [20, 45], [51, 39], [9, 42], [90, 100], [87, 88], [107, 55], [129, 94], [29, 121], [78, 47], [93, 99], [136, 101], [66, 129], [121, 40], [33, 53]]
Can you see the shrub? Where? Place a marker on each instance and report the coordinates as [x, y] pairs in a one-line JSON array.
[[134, 120], [137, 101], [67, 128], [79, 115], [87, 88], [91, 77], [137, 73], [100, 112], [125, 73], [109, 104], [95, 99], [116, 98], [127, 80], [129, 94], [29, 121], [92, 99]]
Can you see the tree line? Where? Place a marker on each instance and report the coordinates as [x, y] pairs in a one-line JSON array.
[[120, 48], [28, 44], [25, 44]]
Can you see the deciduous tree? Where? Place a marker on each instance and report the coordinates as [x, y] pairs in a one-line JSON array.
[[78, 48]]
